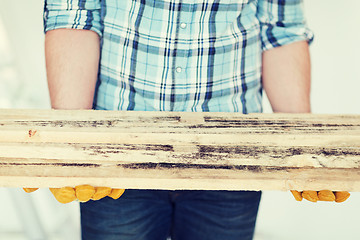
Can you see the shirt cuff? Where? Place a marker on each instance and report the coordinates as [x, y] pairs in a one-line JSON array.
[[74, 17], [275, 36]]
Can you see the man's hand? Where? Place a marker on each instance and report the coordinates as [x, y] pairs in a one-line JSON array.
[[324, 195], [82, 193]]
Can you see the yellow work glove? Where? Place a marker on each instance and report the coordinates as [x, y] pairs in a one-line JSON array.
[[324, 195], [82, 193]]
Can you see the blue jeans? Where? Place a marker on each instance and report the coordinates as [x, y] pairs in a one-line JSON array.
[[183, 215]]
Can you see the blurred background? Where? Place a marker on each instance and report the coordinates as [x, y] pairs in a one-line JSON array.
[[335, 90]]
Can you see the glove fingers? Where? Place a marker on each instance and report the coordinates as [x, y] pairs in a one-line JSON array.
[[326, 195], [310, 196], [101, 192], [116, 193], [30, 190], [84, 192], [64, 195], [341, 196], [297, 195]]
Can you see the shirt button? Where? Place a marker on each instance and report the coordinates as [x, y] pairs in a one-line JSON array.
[[178, 69], [183, 25]]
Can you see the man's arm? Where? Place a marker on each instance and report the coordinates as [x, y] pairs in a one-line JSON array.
[[286, 80], [72, 51], [286, 77], [286, 62], [72, 61]]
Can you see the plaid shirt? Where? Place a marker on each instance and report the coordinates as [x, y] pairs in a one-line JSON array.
[[181, 55]]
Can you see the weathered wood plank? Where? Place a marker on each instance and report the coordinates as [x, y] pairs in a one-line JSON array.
[[172, 150]]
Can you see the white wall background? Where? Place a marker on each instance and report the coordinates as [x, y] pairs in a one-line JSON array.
[[335, 89]]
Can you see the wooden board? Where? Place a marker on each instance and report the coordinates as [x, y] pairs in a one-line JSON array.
[[173, 150]]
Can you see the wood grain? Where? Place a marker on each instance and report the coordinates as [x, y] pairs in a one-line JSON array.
[[179, 150]]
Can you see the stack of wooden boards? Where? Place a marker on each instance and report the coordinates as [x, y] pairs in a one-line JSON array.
[[179, 150]]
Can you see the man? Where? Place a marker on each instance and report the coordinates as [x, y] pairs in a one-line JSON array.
[[176, 55]]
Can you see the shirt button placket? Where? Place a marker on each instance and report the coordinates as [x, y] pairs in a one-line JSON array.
[[180, 68], [182, 61]]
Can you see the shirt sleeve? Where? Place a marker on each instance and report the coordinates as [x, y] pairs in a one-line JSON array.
[[282, 22], [73, 14]]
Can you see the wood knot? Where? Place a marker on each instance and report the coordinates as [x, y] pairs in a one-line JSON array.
[[32, 133]]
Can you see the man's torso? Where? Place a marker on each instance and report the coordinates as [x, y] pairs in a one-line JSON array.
[[190, 55]]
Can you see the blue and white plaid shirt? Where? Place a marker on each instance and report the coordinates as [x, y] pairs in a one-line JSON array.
[[181, 55]]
